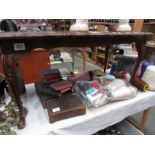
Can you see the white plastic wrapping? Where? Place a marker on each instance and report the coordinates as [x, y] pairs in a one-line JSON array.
[[115, 85], [119, 90], [149, 77], [126, 92]]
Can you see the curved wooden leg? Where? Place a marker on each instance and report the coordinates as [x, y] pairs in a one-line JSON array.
[[141, 52], [11, 70]]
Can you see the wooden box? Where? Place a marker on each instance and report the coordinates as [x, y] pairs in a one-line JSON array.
[[69, 105]]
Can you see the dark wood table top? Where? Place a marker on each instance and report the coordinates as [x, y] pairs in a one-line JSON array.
[[14, 35], [28, 41]]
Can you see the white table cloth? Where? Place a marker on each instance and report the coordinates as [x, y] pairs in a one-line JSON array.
[[94, 120]]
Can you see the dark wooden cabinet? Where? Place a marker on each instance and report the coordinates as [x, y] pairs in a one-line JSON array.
[[31, 64]]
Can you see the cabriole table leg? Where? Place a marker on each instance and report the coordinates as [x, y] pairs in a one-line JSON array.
[[141, 52], [11, 70]]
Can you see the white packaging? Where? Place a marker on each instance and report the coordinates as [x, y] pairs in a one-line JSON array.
[[80, 25], [123, 93], [115, 85], [149, 77]]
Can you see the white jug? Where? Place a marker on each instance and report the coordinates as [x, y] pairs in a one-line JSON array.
[[80, 25], [124, 25]]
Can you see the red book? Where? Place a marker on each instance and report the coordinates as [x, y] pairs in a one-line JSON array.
[[58, 86], [51, 80], [48, 76]]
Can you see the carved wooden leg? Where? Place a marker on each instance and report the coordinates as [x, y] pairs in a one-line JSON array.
[[141, 51], [10, 68]]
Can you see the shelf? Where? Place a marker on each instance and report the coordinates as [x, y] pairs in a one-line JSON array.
[[60, 24], [31, 25], [64, 26], [114, 23], [101, 56], [64, 20], [149, 23], [101, 49], [150, 46], [101, 23]]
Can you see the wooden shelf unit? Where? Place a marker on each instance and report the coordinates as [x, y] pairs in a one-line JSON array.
[[60, 24], [142, 26], [100, 53], [150, 46], [138, 25]]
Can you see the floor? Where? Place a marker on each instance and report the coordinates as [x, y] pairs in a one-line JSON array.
[[150, 124]]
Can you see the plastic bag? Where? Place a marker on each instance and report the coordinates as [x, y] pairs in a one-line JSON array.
[[91, 96], [119, 90]]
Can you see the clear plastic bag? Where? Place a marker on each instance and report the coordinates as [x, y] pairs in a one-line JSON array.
[[123, 93], [116, 84], [119, 90], [92, 97]]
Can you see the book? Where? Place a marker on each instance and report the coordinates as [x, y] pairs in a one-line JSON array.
[[49, 71], [58, 86], [51, 80], [48, 76]]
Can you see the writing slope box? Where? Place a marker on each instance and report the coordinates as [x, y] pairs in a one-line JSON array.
[[69, 105]]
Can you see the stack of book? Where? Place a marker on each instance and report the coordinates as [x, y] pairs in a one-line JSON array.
[[50, 76], [57, 97], [62, 86]]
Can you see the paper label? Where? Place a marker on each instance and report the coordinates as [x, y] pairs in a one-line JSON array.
[[2, 108], [19, 46], [56, 109]]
